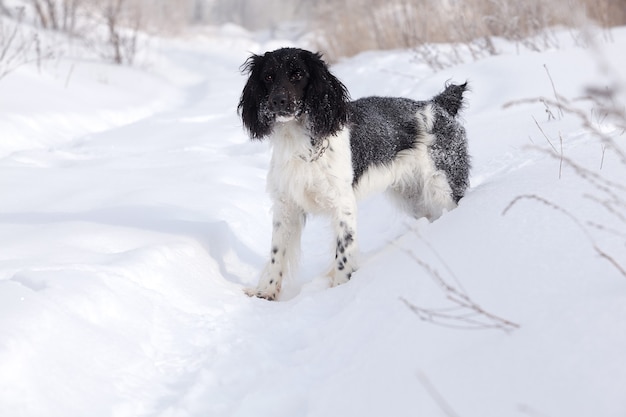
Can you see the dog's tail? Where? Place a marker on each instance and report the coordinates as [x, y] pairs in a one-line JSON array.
[[451, 99]]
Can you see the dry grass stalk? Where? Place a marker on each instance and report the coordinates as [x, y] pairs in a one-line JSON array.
[[436, 396], [464, 313], [604, 101], [603, 254]]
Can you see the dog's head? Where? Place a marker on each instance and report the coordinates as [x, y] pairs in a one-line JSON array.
[[291, 84]]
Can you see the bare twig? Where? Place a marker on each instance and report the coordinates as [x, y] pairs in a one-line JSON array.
[[618, 114], [435, 395], [574, 219], [69, 74], [464, 313], [611, 260], [609, 205], [561, 159], [544, 134], [556, 95], [601, 183]]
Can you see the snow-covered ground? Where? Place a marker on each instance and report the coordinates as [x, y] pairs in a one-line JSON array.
[[133, 213]]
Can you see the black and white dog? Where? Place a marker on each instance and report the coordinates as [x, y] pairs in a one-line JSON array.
[[329, 151]]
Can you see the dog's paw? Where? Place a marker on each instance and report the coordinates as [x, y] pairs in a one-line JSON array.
[[255, 292], [339, 280], [338, 277]]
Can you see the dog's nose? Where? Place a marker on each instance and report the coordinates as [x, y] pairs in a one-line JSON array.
[[279, 101]]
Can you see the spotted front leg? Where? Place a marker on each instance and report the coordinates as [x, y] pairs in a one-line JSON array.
[[287, 229]]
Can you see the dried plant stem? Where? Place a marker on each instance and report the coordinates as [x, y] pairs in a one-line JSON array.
[[544, 133], [575, 220], [435, 395], [603, 152], [556, 95], [605, 139], [561, 158], [464, 313]]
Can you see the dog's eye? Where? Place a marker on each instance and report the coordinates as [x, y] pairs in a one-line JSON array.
[[297, 75], [268, 78]]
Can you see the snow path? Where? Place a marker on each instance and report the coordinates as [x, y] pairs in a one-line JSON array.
[[126, 245]]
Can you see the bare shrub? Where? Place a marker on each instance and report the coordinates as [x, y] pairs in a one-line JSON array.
[[111, 28], [122, 22], [19, 45], [57, 15], [461, 311], [125, 21], [352, 26]]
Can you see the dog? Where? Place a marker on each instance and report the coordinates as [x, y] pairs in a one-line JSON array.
[[329, 151]]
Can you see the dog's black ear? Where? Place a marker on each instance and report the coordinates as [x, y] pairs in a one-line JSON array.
[[257, 122], [326, 98]]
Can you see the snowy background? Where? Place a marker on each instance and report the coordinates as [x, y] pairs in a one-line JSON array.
[[133, 213]]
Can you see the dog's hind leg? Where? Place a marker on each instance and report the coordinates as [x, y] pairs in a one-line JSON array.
[[427, 194], [437, 196], [288, 222]]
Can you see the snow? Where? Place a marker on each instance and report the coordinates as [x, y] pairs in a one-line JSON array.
[[133, 213]]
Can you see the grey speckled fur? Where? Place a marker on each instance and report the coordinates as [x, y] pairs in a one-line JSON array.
[[381, 127]]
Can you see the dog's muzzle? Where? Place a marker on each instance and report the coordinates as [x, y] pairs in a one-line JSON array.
[[283, 107], [279, 102]]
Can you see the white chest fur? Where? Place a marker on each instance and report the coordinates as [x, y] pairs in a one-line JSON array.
[[314, 179]]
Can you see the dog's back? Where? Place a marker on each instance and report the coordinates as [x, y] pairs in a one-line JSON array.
[[380, 128], [383, 127]]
